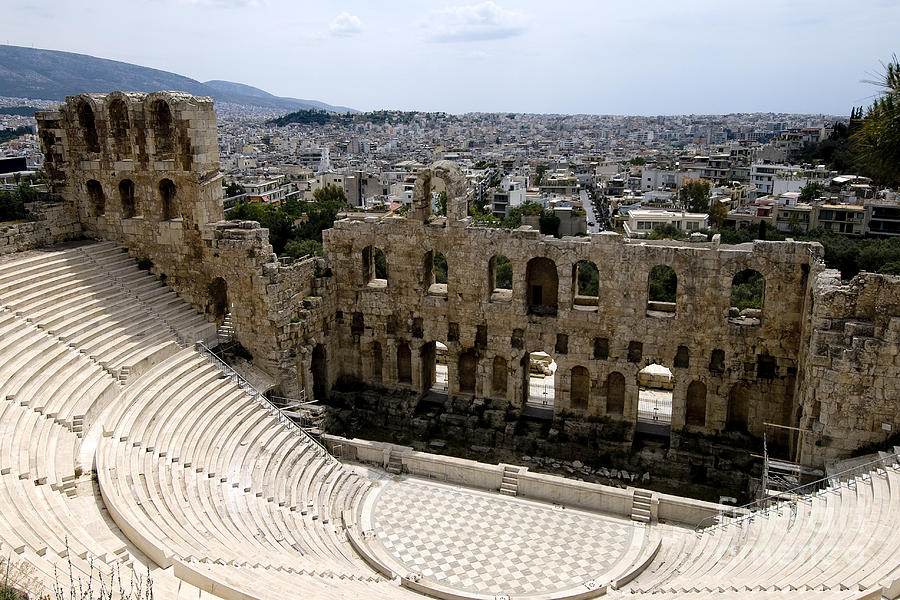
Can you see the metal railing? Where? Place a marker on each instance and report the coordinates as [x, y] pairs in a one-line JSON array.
[[276, 412], [776, 501]]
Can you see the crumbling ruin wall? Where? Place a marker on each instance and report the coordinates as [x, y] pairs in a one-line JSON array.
[[619, 334], [851, 371], [143, 170]]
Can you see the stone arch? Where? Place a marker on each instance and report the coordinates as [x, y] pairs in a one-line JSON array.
[[218, 299], [126, 196], [662, 290], [695, 404], [585, 285], [541, 286], [615, 393], [88, 126], [96, 197], [162, 125], [404, 363], [748, 289], [738, 413], [168, 199], [499, 377], [467, 367], [539, 380], [440, 176], [579, 388], [500, 278], [119, 128], [377, 362], [319, 369]]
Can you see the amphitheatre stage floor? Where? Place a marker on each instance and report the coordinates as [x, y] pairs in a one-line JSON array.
[[486, 543]]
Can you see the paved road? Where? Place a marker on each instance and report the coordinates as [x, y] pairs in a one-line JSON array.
[[591, 214]]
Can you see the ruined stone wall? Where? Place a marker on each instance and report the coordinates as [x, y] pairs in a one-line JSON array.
[[142, 170], [617, 334], [54, 222], [851, 371]]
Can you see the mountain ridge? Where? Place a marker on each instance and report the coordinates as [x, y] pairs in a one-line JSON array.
[[54, 74]]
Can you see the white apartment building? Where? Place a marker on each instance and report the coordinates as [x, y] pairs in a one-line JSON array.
[[642, 221], [763, 176]]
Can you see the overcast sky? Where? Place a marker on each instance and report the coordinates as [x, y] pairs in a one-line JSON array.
[[601, 56]]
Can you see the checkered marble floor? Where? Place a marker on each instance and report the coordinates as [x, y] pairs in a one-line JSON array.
[[492, 544]]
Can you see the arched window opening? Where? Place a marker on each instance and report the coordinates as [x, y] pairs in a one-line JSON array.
[[96, 197], [167, 196], [747, 295], [434, 368], [662, 292], [377, 363], [738, 408], [126, 195], [585, 286], [500, 279], [218, 300], [615, 394], [467, 365], [580, 388], [119, 127], [540, 383], [163, 131], [542, 285], [499, 377], [319, 369], [435, 273], [655, 385], [404, 364], [375, 272], [695, 404], [88, 127]]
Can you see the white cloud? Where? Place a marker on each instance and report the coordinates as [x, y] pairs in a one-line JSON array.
[[345, 25], [478, 22]]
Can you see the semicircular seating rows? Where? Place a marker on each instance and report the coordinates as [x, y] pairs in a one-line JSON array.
[[201, 484], [842, 539]]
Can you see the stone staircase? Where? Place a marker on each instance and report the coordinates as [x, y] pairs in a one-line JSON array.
[[509, 486], [640, 506], [225, 333], [395, 463]]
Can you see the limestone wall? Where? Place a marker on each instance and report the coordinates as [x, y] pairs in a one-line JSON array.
[[54, 222], [402, 311], [851, 391]]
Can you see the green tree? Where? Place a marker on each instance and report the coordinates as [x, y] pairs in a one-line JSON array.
[[233, 189], [441, 204], [810, 192], [718, 212], [549, 223], [663, 284], [539, 174], [298, 248], [877, 141], [694, 196], [513, 219], [666, 231], [503, 273]]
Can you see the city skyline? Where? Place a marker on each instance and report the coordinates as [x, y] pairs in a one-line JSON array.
[[597, 58]]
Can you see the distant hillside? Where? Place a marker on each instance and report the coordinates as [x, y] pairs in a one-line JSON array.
[[53, 75], [250, 92]]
